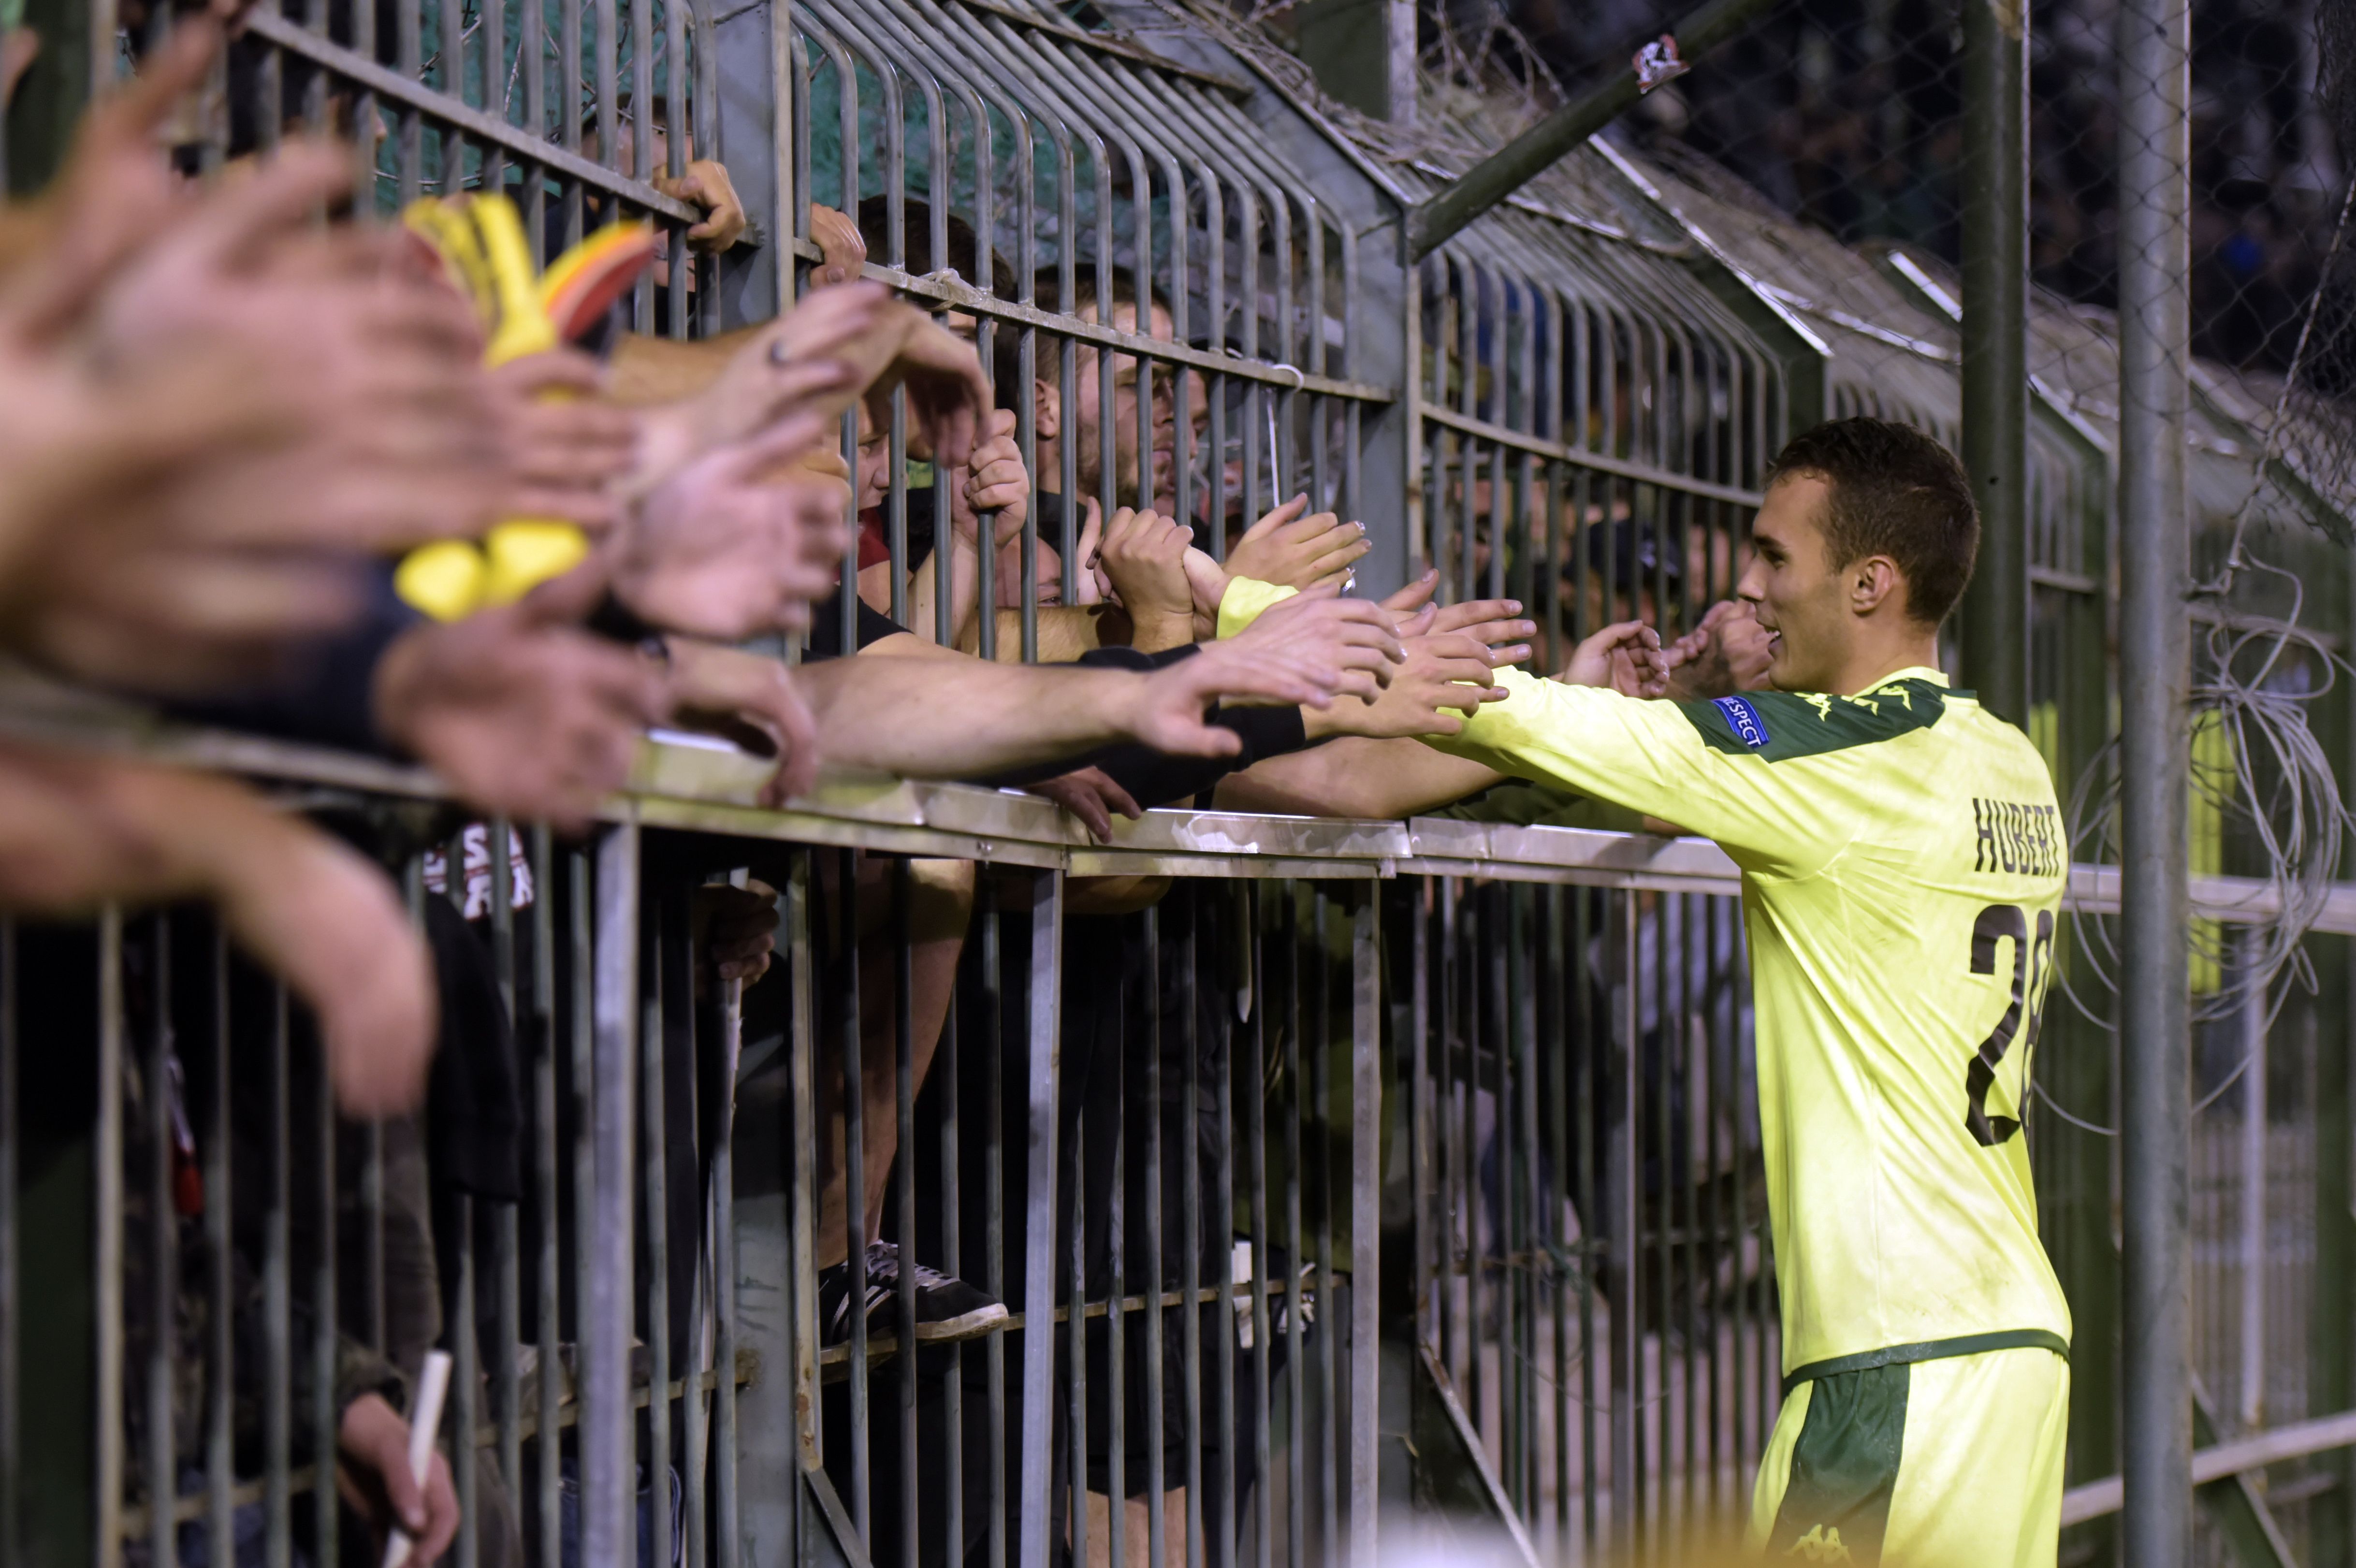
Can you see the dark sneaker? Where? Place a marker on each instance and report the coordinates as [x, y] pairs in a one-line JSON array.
[[947, 1308]]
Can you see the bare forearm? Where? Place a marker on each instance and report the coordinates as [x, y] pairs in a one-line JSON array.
[[647, 370], [1065, 631], [955, 718], [1353, 776]]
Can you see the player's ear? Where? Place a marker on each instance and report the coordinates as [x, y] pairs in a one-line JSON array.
[[1874, 582], [1046, 409]]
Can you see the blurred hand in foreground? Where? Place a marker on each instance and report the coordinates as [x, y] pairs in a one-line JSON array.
[[523, 712], [726, 550], [80, 831]]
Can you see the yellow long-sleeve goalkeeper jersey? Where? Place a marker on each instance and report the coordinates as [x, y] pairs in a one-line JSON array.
[[1902, 865]]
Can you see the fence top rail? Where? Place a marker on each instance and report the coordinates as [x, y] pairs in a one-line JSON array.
[[705, 785]]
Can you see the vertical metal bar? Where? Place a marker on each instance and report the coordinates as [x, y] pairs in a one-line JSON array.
[[1528, 1233], [162, 1074], [607, 1483], [1190, 1200], [855, 1172], [1074, 1236], [11, 1314], [568, 110], [787, 104], [2253, 1219], [1254, 1140], [1594, 1224], [1447, 1331], [1116, 1490], [1321, 1091], [782, 88], [581, 1096], [1508, 980], [2155, 673], [1157, 1523], [277, 1366], [1365, 1220], [531, 65], [904, 1092], [107, 1290], [724, 1260], [460, 1415], [1296, 1364], [409, 56], [1420, 1107], [952, 1262], [655, 932], [642, 144], [1996, 349], [804, 1071], [1548, 953], [220, 1266], [326, 1319], [1660, 1105], [695, 1404], [549, 1280], [507, 1261], [1625, 1173], [993, 1194], [1221, 1251], [1043, 1002]]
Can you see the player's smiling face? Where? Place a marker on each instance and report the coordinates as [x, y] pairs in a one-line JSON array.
[[1793, 587]]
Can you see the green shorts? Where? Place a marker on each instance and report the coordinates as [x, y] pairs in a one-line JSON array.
[[1948, 1462]]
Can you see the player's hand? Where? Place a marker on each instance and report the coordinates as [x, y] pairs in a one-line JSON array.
[[1626, 656], [1445, 675], [1494, 621]]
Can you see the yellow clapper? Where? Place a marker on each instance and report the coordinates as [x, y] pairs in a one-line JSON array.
[[480, 242]]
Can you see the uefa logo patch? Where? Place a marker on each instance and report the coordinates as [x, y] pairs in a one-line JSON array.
[[1743, 720]]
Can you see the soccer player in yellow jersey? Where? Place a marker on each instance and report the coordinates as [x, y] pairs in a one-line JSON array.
[[1903, 864]]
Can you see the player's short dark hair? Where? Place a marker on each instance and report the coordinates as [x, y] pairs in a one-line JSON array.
[[1895, 492]]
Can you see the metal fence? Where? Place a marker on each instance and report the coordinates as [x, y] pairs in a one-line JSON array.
[[1361, 1166]]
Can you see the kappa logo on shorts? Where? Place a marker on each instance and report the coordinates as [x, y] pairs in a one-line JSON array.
[[1742, 718], [1819, 1545]]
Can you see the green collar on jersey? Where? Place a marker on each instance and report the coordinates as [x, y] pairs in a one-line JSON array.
[[1782, 726]]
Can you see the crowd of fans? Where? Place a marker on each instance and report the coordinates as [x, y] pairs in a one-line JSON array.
[[1849, 115], [230, 420]]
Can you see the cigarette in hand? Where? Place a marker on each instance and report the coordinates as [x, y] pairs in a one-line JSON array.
[[433, 1384]]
